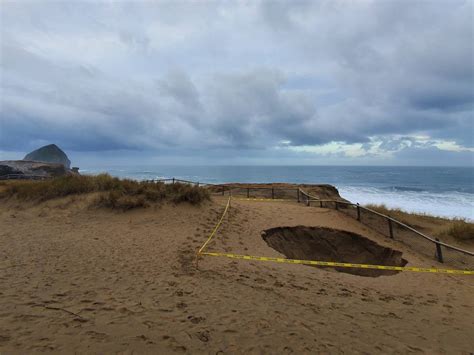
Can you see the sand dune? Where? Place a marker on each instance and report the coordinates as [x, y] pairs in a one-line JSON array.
[[74, 279]]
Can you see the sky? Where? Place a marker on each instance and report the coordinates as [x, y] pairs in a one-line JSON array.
[[368, 82]]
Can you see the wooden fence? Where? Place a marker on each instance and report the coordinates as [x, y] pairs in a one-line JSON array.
[[362, 214], [359, 211]]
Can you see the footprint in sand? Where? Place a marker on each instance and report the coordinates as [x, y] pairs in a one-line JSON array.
[[344, 294], [80, 320], [196, 320], [97, 335], [174, 344], [299, 287], [4, 339], [387, 298], [181, 305], [126, 311], [149, 324], [203, 336], [144, 338]]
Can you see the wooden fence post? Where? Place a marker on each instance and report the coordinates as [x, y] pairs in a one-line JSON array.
[[390, 227], [439, 254], [320, 204], [298, 195], [337, 206], [248, 192], [358, 212], [273, 193]]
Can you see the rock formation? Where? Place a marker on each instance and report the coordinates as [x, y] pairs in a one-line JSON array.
[[45, 162], [49, 154], [32, 169]]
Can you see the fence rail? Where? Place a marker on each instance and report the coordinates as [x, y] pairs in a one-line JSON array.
[[249, 192], [394, 229], [174, 180]]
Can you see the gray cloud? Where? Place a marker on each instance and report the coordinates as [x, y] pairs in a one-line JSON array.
[[239, 77]]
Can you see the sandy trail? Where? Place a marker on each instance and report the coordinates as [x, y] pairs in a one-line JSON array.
[[74, 279]]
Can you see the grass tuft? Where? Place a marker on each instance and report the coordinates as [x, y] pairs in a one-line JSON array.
[[461, 230], [116, 193], [409, 218], [458, 229]]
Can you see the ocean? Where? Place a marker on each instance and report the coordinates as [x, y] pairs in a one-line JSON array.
[[439, 191]]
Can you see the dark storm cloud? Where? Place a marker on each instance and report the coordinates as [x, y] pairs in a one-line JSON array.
[[234, 76], [404, 66]]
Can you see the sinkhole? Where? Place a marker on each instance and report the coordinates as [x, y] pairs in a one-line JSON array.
[[327, 244]]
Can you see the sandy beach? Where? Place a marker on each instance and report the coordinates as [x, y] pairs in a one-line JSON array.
[[80, 279]]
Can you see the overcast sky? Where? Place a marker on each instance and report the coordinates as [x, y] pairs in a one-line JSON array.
[[228, 82]]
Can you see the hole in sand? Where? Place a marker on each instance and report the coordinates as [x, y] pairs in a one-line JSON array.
[[326, 244]]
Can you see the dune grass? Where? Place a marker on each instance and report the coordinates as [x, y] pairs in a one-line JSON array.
[[398, 212], [461, 230], [456, 228], [115, 193]]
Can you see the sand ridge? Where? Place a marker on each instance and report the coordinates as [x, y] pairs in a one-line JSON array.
[[75, 279]]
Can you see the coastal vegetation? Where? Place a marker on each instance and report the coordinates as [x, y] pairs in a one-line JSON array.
[[456, 228], [113, 192], [461, 230]]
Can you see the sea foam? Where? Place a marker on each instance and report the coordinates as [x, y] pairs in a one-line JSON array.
[[452, 204]]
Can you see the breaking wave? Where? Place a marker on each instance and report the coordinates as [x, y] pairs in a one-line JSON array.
[[452, 204]]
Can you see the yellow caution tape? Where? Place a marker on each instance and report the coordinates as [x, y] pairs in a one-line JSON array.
[[216, 227], [314, 262], [335, 264]]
